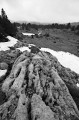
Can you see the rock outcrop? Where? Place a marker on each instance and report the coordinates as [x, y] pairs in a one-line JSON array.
[[35, 91]]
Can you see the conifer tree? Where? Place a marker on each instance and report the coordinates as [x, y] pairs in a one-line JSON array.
[[9, 28]]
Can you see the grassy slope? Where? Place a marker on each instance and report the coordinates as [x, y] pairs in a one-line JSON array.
[[59, 40]]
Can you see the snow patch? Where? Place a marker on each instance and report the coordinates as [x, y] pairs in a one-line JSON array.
[[2, 72], [28, 34], [66, 59], [77, 84], [30, 45], [24, 48], [5, 45]]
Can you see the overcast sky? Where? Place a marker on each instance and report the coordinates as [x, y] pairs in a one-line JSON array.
[[46, 11]]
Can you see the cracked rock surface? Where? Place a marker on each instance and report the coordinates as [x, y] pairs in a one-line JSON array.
[[35, 91]]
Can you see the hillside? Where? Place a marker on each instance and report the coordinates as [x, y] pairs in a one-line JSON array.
[[56, 39]]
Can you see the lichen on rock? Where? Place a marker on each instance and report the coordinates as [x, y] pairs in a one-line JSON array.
[[35, 90]]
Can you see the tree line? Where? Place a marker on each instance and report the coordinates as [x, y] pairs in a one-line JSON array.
[[29, 26], [6, 27]]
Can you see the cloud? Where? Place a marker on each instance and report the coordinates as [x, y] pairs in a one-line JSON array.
[[42, 10]]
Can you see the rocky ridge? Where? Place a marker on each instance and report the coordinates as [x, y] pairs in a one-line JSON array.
[[35, 89]]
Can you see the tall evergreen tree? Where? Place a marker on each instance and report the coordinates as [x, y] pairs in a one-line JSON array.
[[9, 28], [3, 14]]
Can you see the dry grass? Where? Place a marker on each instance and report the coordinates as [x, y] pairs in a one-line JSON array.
[[59, 40]]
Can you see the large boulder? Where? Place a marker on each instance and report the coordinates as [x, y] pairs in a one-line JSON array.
[[35, 91]]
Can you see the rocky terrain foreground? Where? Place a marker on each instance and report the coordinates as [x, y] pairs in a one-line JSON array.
[[36, 89]]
